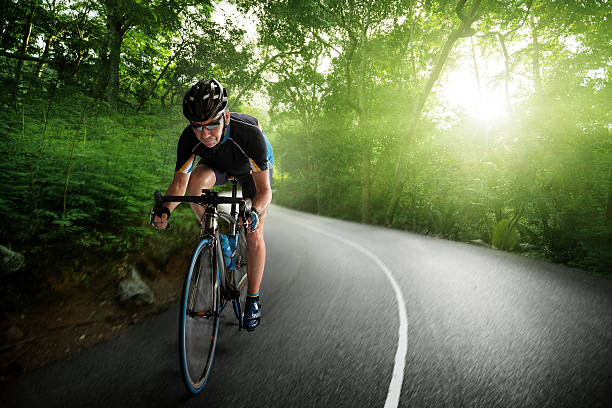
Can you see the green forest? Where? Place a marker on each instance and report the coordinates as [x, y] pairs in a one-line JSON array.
[[485, 122]]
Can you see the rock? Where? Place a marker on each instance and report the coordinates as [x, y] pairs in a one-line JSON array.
[[135, 287], [10, 261], [479, 242]]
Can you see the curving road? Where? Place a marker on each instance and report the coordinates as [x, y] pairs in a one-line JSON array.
[[482, 328]]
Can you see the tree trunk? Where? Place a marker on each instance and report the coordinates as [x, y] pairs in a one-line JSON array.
[[463, 30], [47, 112], [41, 64], [476, 70], [609, 207], [537, 81], [116, 38], [164, 96], [81, 55], [22, 52], [366, 150], [366, 182], [312, 166], [399, 178], [318, 182], [502, 43], [311, 158]]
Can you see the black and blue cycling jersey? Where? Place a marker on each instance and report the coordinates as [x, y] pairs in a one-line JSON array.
[[243, 150]]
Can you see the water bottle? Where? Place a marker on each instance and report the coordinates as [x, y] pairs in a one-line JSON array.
[[233, 242], [227, 252]]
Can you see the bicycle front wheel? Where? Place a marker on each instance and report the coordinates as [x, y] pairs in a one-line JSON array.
[[199, 317]]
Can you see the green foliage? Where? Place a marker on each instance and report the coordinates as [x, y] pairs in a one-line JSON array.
[[505, 236], [537, 182], [117, 164], [345, 81]]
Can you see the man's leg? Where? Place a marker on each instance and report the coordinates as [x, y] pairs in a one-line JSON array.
[[256, 246], [201, 177], [256, 257], [256, 260]]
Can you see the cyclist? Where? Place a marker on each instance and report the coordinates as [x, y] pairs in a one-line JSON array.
[[227, 144]]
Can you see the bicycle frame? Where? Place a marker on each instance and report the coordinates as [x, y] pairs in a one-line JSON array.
[[209, 227]]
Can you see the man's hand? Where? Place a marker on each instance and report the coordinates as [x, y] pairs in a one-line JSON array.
[[159, 218]]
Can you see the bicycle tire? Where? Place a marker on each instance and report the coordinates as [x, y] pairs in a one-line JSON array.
[[199, 317], [240, 274]]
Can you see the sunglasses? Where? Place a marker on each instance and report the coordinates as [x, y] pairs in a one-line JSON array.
[[211, 126]]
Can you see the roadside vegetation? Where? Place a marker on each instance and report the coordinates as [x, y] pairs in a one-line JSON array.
[[357, 107]]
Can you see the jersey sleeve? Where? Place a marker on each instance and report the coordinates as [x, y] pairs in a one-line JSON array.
[[257, 150], [185, 157]]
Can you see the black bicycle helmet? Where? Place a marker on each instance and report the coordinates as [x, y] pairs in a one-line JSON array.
[[205, 100]]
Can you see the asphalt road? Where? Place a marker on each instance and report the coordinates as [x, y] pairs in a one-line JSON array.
[[482, 328]]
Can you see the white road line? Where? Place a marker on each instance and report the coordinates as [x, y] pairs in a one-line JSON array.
[[395, 387]]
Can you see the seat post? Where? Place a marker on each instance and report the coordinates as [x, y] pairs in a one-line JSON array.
[[234, 213]]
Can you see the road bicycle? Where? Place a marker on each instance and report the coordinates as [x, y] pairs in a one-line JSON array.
[[209, 283]]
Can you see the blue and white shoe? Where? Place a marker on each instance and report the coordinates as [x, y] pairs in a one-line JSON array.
[[252, 314]]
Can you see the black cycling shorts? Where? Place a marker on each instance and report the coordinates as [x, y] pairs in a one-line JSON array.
[[246, 182]]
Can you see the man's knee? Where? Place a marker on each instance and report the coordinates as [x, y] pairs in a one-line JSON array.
[[255, 239], [201, 177]]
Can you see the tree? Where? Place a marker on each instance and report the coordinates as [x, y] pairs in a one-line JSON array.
[[150, 17], [464, 30], [23, 49], [347, 29]]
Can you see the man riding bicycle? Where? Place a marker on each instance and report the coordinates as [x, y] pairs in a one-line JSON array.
[[228, 144]]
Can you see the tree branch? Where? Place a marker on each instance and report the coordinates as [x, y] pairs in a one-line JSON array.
[[474, 11], [257, 74], [161, 74], [318, 37], [400, 173], [505, 34], [522, 22], [27, 58], [349, 78], [459, 10], [324, 7]]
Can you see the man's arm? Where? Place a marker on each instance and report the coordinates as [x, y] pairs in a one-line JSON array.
[[176, 188], [263, 191]]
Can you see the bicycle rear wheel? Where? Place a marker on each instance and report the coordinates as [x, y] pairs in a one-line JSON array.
[[199, 317], [240, 274]]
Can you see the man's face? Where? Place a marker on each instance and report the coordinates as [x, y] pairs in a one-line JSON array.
[[209, 138]]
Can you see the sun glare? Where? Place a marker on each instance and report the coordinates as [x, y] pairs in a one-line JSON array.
[[490, 109], [460, 91]]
